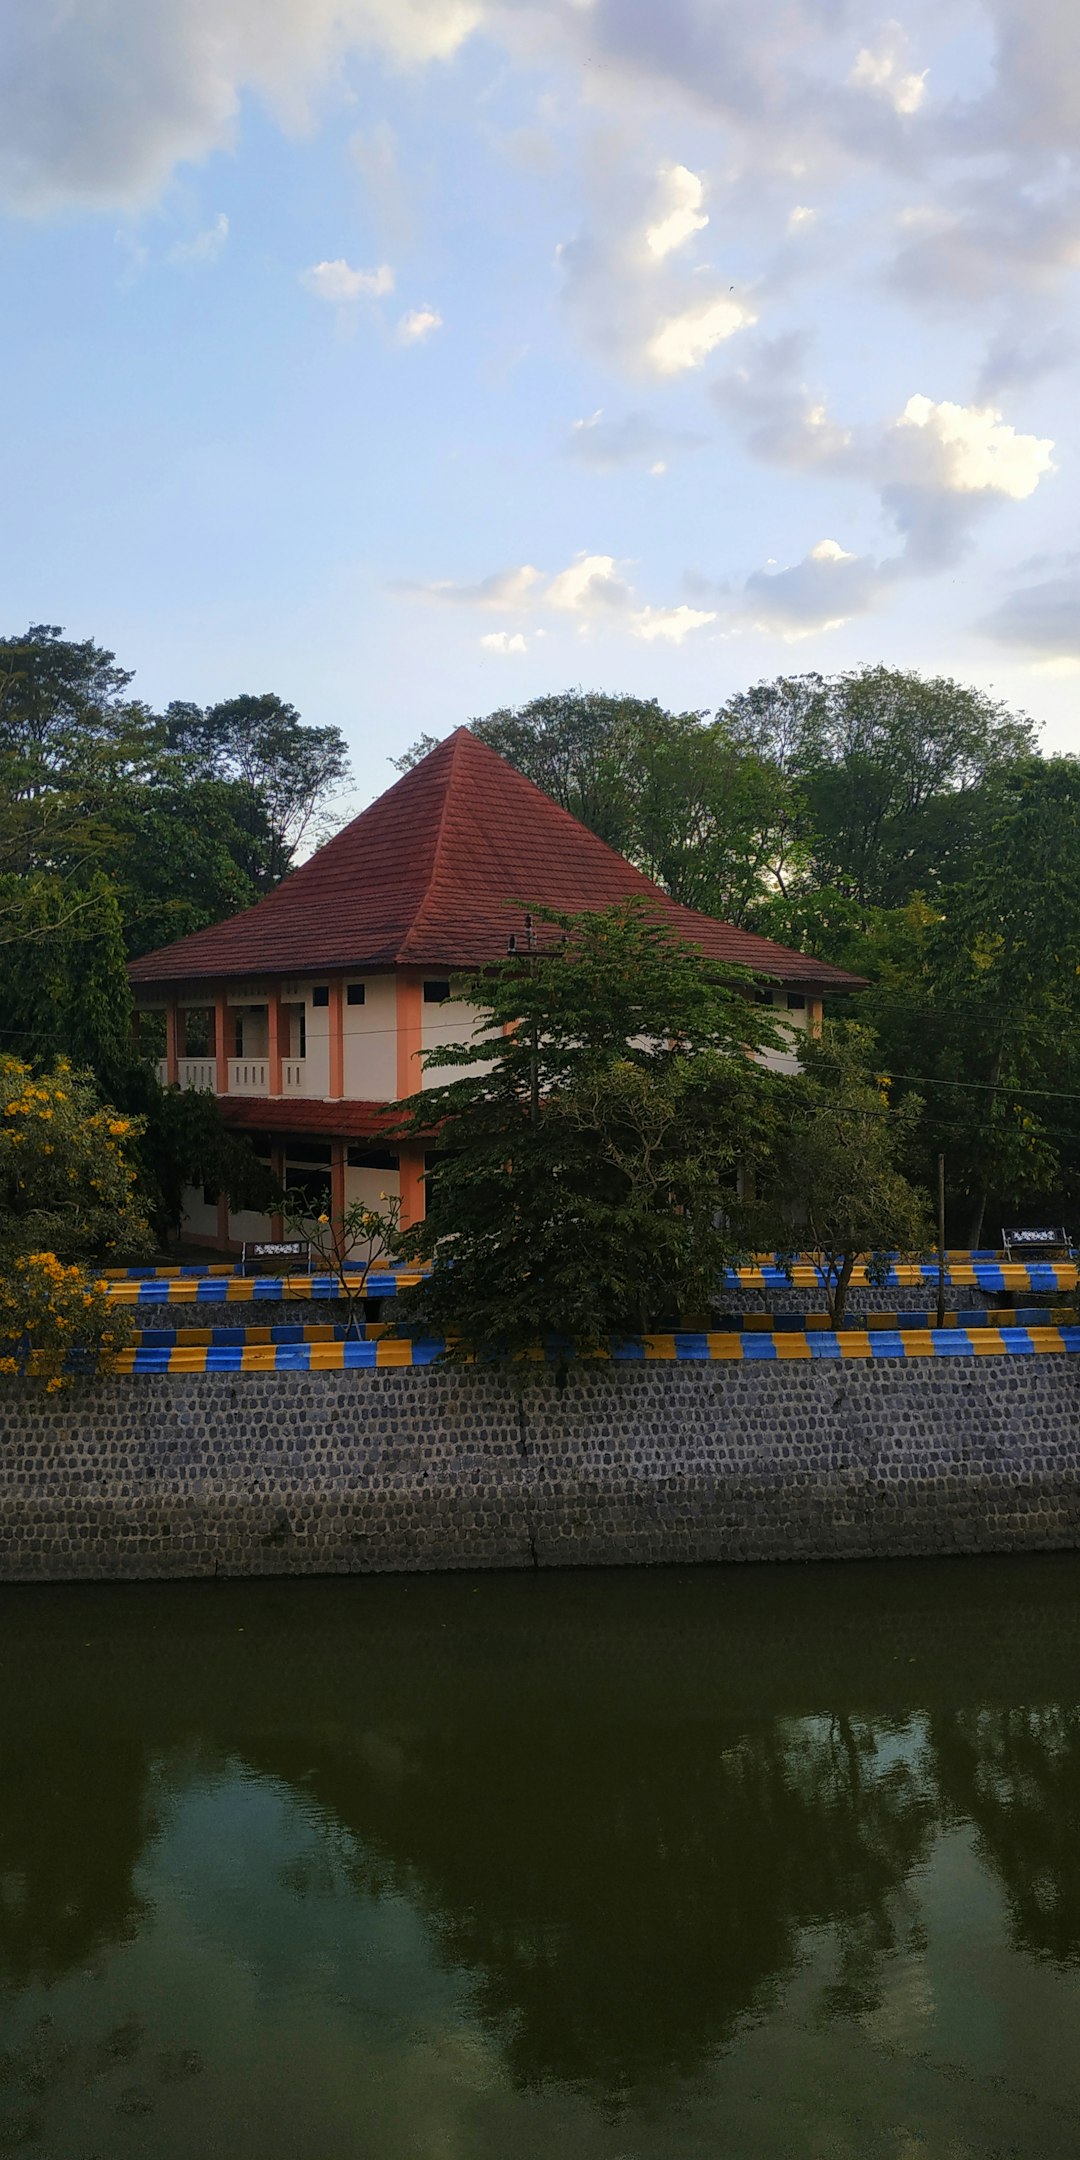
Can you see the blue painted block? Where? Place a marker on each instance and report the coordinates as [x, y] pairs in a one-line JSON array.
[[426, 1350], [759, 1347], [360, 1356], [950, 1342], [628, 1353], [1017, 1341], [292, 1357], [224, 1358], [887, 1342], [825, 1344], [691, 1347], [267, 1286], [156, 1360]]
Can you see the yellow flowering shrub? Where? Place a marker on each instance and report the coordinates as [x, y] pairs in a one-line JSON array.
[[55, 1317], [66, 1183]]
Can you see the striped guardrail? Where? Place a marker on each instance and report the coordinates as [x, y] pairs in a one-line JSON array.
[[198, 1271], [720, 1347], [1040, 1278]]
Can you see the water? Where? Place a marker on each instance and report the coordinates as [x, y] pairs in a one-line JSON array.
[[738, 1864]]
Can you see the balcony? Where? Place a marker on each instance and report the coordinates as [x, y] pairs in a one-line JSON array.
[[247, 1076]]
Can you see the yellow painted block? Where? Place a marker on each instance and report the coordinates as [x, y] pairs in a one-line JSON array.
[[185, 1361], [395, 1350], [659, 1346], [257, 1357], [792, 1347], [918, 1342], [987, 1342], [854, 1345], [724, 1345], [1046, 1339]]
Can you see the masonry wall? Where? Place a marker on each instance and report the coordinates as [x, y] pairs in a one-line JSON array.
[[321, 1473]]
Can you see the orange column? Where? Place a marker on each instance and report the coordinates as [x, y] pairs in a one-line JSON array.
[[221, 1040], [813, 1015], [337, 1041], [411, 1177], [172, 1043], [276, 1024]]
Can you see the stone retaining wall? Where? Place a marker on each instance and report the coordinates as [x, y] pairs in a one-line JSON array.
[[322, 1473]]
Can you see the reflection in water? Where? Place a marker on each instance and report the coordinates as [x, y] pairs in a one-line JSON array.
[[639, 1865]]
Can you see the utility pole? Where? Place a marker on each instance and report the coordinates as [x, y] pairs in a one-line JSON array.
[[941, 1241]]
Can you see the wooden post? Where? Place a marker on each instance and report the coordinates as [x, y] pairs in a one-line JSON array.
[[941, 1241], [172, 1045], [337, 1040], [276, 1024], [221, 1040]]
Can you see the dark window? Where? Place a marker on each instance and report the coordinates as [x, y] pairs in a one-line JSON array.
[[763, 997], [436, 993], [307, 1151], [354, 994], [321, 994], [313, 1186], [372, 1158], [302, 1052], [795, 1001], [210, 1195], [239, 1051]]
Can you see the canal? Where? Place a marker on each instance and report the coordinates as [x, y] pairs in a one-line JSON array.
[[744, 1864]]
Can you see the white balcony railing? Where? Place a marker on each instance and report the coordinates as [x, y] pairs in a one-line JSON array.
[[198, 1073], [248, 1076]]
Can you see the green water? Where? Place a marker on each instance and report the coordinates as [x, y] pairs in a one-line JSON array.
[[606, 1867]]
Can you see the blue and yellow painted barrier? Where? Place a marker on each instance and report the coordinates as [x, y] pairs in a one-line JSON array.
[[721, 1347], [1046, 1279]]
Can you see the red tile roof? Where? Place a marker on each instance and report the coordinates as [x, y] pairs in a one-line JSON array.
[[346, 1120], [426, 877]]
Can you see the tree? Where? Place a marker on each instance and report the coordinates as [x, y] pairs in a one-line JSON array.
[[347, 1242], [284, 770], [586, 1172], [67, 1194], [183, 1141], [837, 1189], [883, 766]]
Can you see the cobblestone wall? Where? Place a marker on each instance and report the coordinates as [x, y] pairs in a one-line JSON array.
[[338, 1472]]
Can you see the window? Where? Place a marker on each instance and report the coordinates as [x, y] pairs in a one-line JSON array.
[[354, 994], [302, 1031], [762, 997], [796, 1002], [307, 1151], [372, 1158], [239, 1037], [210, 1195], [436, 993], [321, 994]]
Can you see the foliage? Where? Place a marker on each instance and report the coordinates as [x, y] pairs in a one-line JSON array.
[[184, 1142], [50, 1313], [67, 1181], [837, 1189], [283, 771], [347, 1242], [585, 1181]]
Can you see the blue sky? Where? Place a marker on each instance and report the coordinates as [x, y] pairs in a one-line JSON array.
[[412, 357]]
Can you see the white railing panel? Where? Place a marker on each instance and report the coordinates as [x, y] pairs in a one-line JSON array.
[[248, 1076], [198, 1073], [293, 1076]]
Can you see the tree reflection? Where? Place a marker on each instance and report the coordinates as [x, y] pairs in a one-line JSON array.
[[1015, 1773]]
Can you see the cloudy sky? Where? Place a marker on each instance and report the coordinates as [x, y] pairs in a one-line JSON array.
[[411, 357]]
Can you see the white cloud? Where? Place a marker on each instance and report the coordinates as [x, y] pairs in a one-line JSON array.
[[590, 582], [503, 589], [633, 439], [971, 448], [337, 283], [1041, 619], [681, 217], [206, 247], [801, 217], [504, 641], [820, 593], [672, 624], [880, 69], [683, 341], [418, 324], [102, 99]]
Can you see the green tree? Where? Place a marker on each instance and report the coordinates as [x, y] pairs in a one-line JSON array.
[[585, 1181], [283, 770], [836, 1188], [884, 766]]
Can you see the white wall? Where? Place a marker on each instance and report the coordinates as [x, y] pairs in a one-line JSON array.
[[453, 1022], [371, 1042]]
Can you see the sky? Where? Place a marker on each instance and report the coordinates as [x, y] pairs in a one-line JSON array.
[[411, 358]]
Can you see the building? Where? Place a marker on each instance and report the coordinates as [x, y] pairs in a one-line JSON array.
[[308, 1013]]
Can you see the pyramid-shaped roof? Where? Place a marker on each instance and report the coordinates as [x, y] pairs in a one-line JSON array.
[[428, 876]]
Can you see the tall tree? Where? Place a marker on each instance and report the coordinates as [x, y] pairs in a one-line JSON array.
[[585, 1182], [285, 771]]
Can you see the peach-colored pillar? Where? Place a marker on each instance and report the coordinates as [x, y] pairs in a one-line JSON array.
[[221, 1040], [337, 1040], [172, 1042]]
